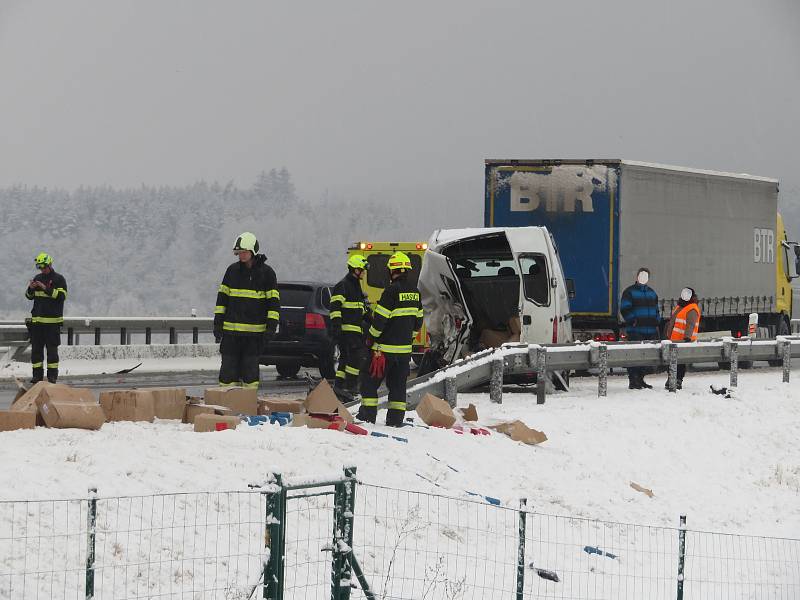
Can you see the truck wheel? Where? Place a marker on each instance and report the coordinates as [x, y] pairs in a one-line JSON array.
[[288, 370], [327, 363], [782, 329]]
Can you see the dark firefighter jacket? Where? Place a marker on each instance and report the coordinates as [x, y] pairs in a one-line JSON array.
[[347, 306], [397, 317], [48, 304], [248, 302]]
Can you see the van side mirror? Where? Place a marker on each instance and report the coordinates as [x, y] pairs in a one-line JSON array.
[[792, 262], [571, 288]]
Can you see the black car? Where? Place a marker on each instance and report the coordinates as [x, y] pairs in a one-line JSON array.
[[302, 339]]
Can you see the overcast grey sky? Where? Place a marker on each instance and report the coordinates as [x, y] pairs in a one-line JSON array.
[[385, 99]]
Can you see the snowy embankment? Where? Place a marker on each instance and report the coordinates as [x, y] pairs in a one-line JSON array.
[[730, 464]]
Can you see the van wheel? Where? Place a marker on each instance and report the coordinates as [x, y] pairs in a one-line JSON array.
[[288, 370], [327, 363]]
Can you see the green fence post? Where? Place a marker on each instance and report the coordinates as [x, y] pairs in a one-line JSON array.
[[681, 555], [91, 534], [521, 549], [275, 534]]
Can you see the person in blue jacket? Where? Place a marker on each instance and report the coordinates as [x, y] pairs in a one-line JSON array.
[[639, 310]]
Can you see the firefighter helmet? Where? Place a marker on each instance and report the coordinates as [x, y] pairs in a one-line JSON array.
[[357, 261], [399, 260], [43, 260], [246, 241]]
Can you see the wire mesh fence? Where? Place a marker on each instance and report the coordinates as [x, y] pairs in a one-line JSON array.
[[342, 539]]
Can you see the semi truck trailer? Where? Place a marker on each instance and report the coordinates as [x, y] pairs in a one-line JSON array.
[[719, 233]]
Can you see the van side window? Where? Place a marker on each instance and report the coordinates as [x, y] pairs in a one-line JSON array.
[[535, 278]]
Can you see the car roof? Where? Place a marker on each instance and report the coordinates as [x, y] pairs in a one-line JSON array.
[[313, 284]]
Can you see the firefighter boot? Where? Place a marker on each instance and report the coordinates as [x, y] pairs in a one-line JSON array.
[[395, 417], [368, 414]]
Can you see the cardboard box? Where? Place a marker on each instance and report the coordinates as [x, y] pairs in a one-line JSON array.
[[435, 412], [271, 405], [519, 432], [470, 413], [320, 422], [169, 403], [64, 414], [323, 401], [128, 405], [11, 420], [192, 411], [52, 391], [241, 401], [203, 423]]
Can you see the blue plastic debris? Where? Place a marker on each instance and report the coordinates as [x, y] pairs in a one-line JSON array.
[[277, 417], [594, 550]]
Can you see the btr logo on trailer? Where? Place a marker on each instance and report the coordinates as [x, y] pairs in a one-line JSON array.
[[763, 245]]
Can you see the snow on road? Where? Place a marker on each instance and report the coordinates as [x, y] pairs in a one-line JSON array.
[[730, 464]]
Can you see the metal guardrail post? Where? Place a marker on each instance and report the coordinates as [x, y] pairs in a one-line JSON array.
[[275, 536], [681, 555], [91, 535], [451, 391], [672, 370], [541, 374], [96, 336], [521, 549], [70, 336], [148, 335], [602, 382], [195, 335], [496, 381], [173, 336], [734, 356], [123, 336], [786, 355]]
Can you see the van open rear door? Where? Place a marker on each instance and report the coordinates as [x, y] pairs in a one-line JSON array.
[[447, 317], [537, 298]]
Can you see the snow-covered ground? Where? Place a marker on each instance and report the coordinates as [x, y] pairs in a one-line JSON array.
[[730, 464]]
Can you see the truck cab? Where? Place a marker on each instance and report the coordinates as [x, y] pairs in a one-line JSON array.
[[487, 286]]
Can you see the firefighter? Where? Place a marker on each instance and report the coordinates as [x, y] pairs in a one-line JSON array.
[[346, 319], [48, 290], [395, 322], [246, 315]]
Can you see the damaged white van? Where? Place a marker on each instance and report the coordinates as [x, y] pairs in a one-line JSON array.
[[487, 286]]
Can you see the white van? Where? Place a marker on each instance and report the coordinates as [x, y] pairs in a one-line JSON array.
[[487, 286]]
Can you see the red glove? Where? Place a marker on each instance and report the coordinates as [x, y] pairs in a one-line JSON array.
[[378, 365]]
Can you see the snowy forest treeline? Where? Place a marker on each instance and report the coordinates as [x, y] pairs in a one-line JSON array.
[[163, 250]]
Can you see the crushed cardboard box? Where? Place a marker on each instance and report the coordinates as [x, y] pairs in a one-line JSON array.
[[494, 338], [128, 405], [646, 491], [519, 432], [192, 411], [77, 413], [323, 401], [470, 413], [212, 422], [268, 406], [168, 403], [12, 420], [435, 412], [241, 401], [53, 391]]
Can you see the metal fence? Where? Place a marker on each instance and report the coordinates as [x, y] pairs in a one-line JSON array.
[[343, 539]]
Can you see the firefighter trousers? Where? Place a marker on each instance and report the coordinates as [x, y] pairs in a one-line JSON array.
[[396, 375], [240, 360], [45, 336], [353, 357]]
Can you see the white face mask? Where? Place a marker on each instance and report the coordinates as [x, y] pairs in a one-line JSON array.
[[686, 294], [642, 278]]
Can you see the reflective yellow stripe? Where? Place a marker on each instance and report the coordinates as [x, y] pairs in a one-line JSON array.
[[353, 305], [242, 293], [52, 365], [392, 349], [62, 290], [248, 327], [337, 298], [397, 405], [369, 401], [250, 384], [224, 289], [384, 312], [374, 332], [47, 320], [420, 313], [42, 295], [273, 314], [336, 314], [227, 383], [404, 312], [356, 328], [219, 310], [37, 365], [273, 294], [351, 370], [340, 374]]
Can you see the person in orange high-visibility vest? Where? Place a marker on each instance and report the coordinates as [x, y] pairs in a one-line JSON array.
[[684, 325]]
